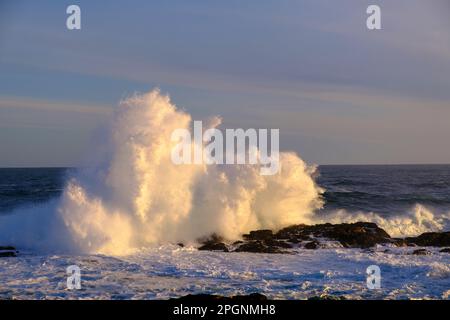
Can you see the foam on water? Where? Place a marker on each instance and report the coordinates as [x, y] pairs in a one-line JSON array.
[[170, 271]]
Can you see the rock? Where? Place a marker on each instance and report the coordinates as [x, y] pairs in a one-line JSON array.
[[293, 233], [399, 242], [213, 243], [259, 235], [277, 243], [360, 234], [353, 235], [312, 245], [421, 252], [220, 246], [257, 247], [8, 251], [212, 297], [4, 254], [445, 250], [350, 235], [180, 244], [431, 239], [7, 248]]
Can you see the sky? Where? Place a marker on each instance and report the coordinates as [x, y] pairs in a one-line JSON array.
[[338, 92]]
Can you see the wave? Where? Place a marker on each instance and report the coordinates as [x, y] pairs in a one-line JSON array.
[[414, 222], [131, 195]]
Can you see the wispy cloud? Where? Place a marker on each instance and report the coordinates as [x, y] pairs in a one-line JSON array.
[[8, 102]]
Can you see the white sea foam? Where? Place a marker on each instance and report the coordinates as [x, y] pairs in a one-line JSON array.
[[170, 271], [411, 223]]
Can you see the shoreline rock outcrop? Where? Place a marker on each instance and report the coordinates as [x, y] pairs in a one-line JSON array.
[[8, 251], [362, 235]]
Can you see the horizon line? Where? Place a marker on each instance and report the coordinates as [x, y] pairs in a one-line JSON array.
[[320, 165]]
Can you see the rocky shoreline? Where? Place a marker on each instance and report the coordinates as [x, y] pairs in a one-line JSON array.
[[362, 235]]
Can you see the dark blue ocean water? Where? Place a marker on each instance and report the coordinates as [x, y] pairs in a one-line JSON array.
[[19, 187], [383, 189]]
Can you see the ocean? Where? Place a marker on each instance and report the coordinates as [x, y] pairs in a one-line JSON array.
[[168, 270], [384, 189]]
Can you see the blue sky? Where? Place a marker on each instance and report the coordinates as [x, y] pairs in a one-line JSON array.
[[338, 92]]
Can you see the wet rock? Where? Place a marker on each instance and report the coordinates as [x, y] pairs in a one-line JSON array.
[[421, 252], [293, 233], [312, 245], [7, 248], [350, 235], [220, 246], [4, 254], [277, 243], [400, 242], [257, 247], [362, 235], [294, 240], [259, 235], [8, 251], [445, 250], [431, 239], [213, 243]]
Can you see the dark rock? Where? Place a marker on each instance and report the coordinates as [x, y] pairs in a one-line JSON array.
[[7, 248], [360, 234], [445, 250], [213, 243], [4, 254], [213, 297], [220, 246], [421, 252], [400, 242], [237, 242], [257, 247], [431, 239], [8, 251], [259, 235], [277, 243], [296, 232], [354, 235], [312, 245], [180, 244]]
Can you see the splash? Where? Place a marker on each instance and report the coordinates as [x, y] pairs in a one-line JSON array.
[[134, 196], [412, 223]]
